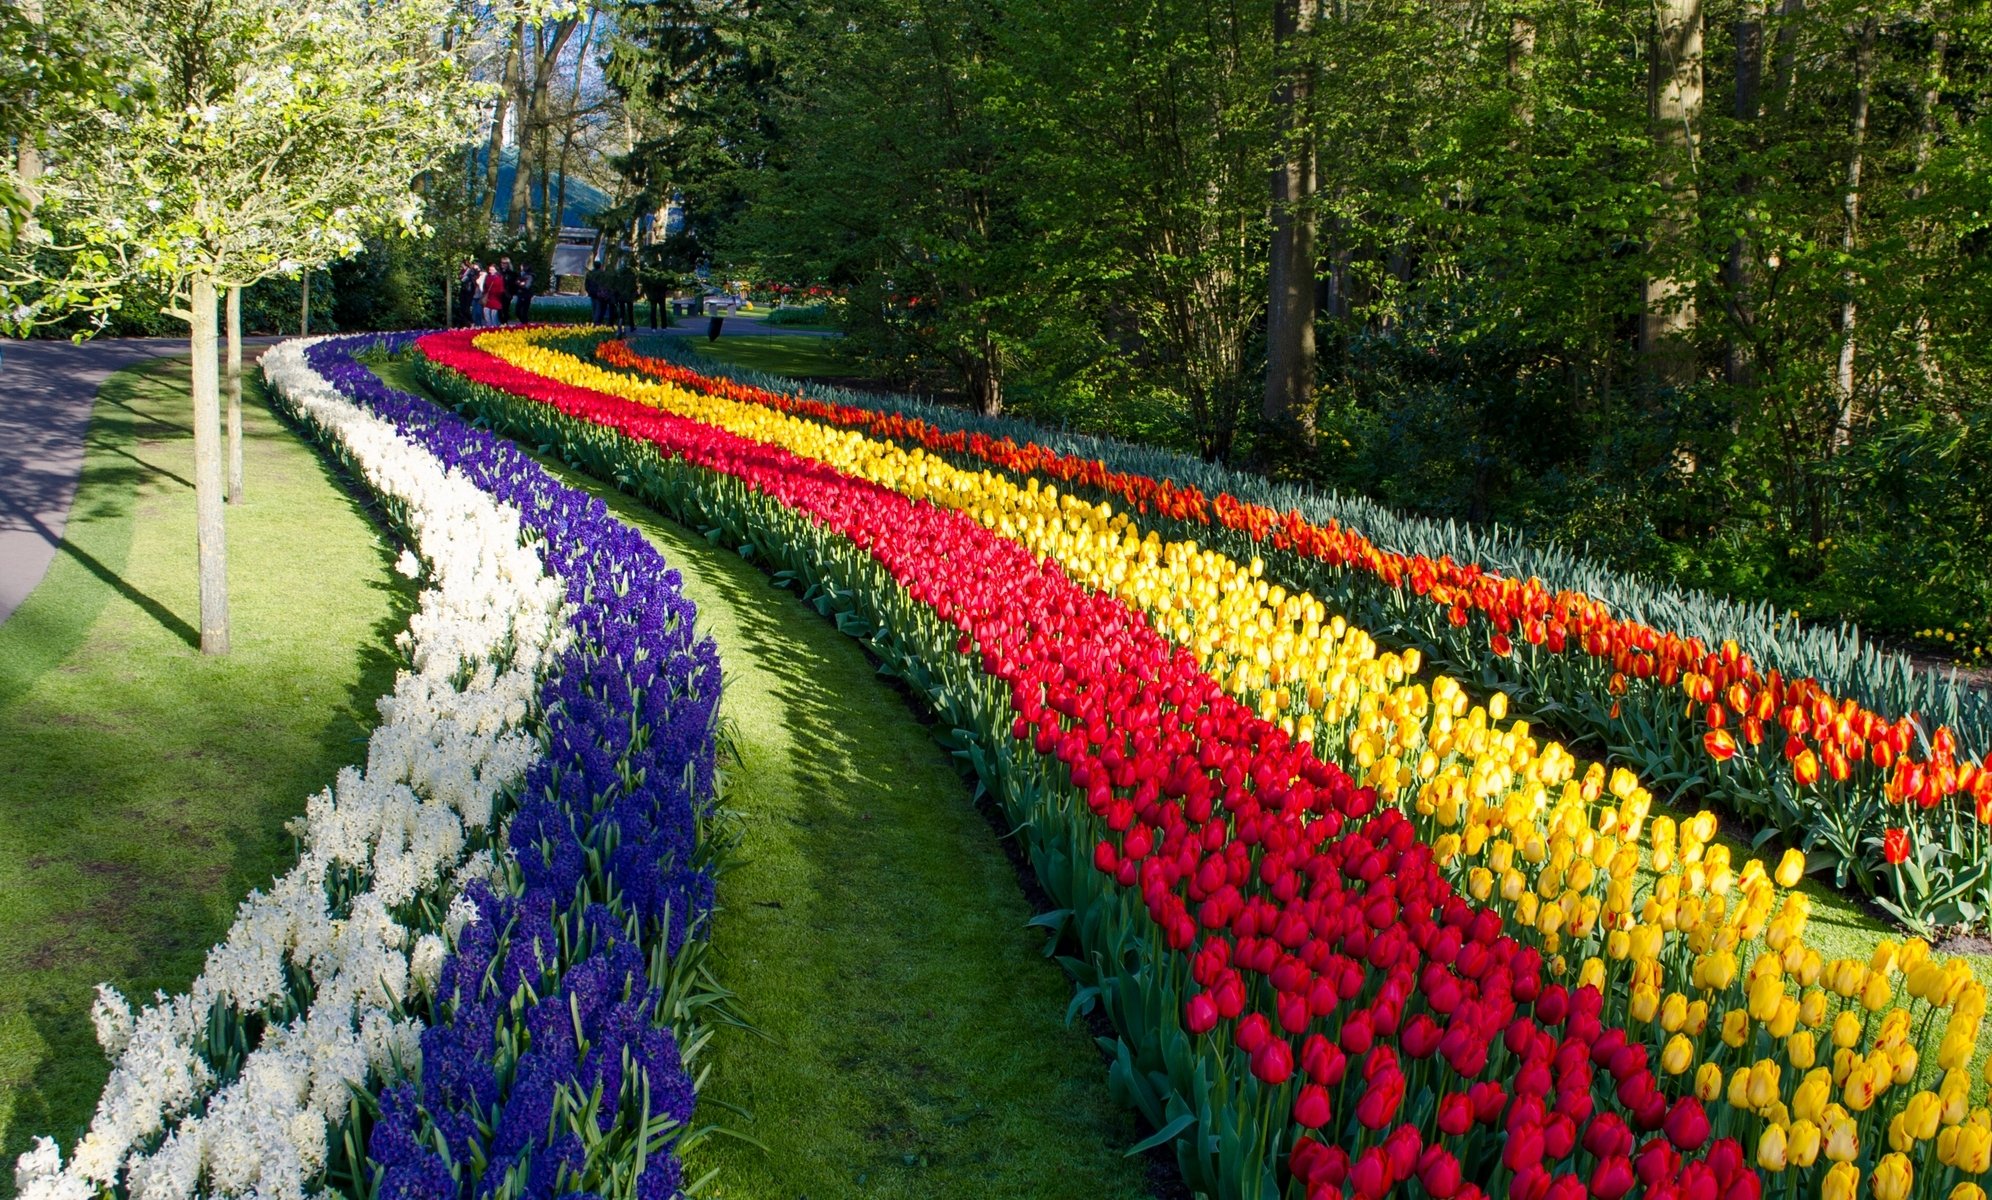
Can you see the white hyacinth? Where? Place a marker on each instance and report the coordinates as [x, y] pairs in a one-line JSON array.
[[402, 825]]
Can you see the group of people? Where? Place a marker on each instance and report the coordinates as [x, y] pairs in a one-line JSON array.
[[495, 293], [612, 293]]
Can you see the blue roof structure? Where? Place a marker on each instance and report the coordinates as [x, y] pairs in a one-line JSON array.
[[584, 199]]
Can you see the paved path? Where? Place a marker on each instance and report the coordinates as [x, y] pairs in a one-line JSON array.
[[46, 392]]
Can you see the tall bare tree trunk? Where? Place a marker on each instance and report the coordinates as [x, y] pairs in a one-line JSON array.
[[1739, 272], [235, 395], [1290, 311], [304, 306], [1790, 13], [535, 86], [556, 217], [495, 149], [1521, 53], [211, 542], [1926, 137], [27, 154], [1850, 209], [1674, 92]]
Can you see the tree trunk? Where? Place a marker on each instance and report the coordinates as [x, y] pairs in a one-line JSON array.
[[557, 205], [235, 395], [1290, 311], [1521, 52], [1739, 273], [1790, 12], [495, 149], [984, 377], [1926, 136], [1850, 209], [27, 155], [1674, 92], [209, 500], [304, 306]]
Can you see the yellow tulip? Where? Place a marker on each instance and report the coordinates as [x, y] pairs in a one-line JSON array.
[[1708, 1082], [1791, 868], [1801, 1050], [1804, 1141], [1842, 1182], [1771, 1149], [1678, 1056], [1843, 1138], [1735, 1028], [1893, 1177], [1764, 1084]]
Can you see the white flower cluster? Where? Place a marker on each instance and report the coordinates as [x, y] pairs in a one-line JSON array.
[[490, 623]]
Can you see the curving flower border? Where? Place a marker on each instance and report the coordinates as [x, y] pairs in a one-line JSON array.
[[1196, 848], [546, 652]]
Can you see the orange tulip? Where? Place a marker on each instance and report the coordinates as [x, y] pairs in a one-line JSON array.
[[1805, 769], [1720, 746]]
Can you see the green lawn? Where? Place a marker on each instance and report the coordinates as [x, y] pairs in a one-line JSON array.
[[145, 787], [914, 1042], [779, 354]]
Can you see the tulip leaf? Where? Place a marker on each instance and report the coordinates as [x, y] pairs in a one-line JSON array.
[[1163, 1135]]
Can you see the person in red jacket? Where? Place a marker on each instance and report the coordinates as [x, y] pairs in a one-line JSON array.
[[494, 295]]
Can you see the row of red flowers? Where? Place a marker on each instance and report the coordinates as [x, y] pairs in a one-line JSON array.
[[1375, 1008]]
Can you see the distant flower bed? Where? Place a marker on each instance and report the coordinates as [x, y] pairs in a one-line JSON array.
[[484, 966], [1872, 769]]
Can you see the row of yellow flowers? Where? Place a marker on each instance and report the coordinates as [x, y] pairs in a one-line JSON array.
[[1821, 1062]]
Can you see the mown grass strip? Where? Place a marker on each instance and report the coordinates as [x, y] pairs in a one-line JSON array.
[[913, 1039], [146, 787]]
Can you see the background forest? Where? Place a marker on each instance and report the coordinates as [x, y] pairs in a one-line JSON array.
[[1704, 286]]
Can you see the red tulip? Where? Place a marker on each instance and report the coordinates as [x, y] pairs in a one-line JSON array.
[[1378, 1105], [1369, 1175], [1687, 1124], [1439, 1172], [1323, 1061], [1253, 1032], [1455, 1114], [1200, 1014], [1612, 1178], [1895, 846], [1272, 1063], [1310, 1109], [1523, 1148]]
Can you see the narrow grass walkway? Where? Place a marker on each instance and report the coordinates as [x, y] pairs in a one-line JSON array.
[[799, 355], [875, 933], [144, 788]]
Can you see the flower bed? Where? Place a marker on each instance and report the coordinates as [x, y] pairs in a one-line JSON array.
[[1248, 938], [931, 585], [528, 822], [1876, 772]]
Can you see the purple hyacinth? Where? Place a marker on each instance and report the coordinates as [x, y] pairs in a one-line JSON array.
[[605, 834]]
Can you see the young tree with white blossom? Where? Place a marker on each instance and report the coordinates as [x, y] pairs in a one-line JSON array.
[[267, 137]]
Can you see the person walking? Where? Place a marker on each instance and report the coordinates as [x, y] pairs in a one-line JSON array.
[[623, 282], [469, 295], [526, 285], [657, 291], [510, 274], [494, 296], [598, 293]]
